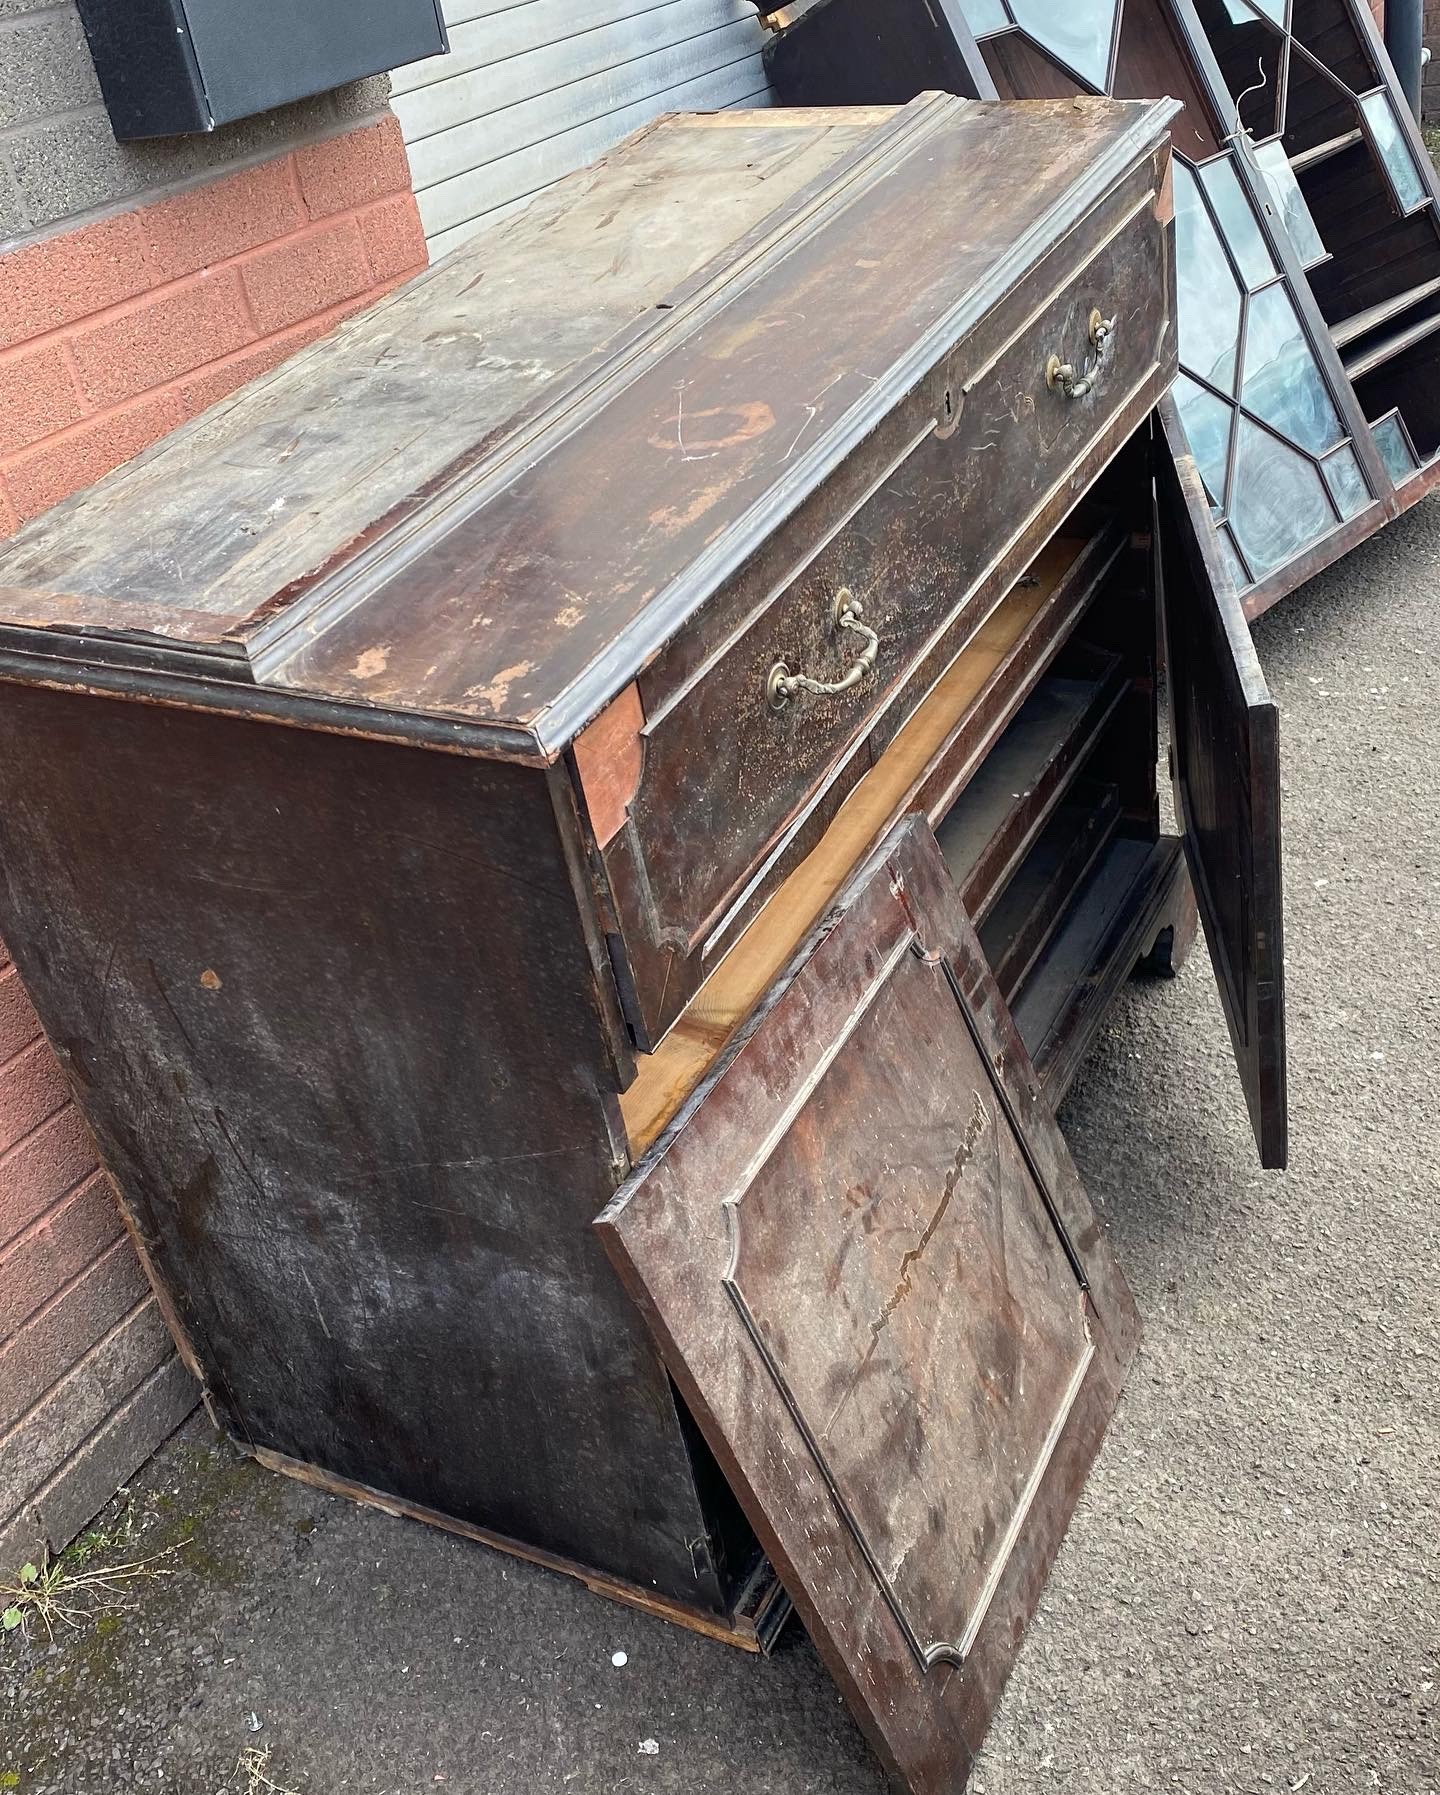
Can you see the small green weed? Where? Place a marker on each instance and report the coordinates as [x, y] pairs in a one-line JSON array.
[[62, 1593], [96, 1540]]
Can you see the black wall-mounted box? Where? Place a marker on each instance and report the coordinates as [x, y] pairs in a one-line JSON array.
[[171, 66]]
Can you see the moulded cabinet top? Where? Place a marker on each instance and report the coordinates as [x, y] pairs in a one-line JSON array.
[[492, 498]]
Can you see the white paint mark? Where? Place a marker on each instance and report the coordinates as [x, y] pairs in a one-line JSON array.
[[811, 413], [316, 1300], [685, 455]]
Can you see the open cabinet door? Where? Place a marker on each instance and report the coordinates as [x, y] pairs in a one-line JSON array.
[[874, 1274], [1225, 761]]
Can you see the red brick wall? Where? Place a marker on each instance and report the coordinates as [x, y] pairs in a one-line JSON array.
[[114, 332], [115, 328], [86, 1367]]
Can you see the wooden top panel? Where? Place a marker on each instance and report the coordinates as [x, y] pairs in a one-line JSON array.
[[250, 500], [348, 530]]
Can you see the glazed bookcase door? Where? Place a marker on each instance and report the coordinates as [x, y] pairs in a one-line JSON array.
[[873, 53], [1308, 252], [876, 1278], [1225, 758]]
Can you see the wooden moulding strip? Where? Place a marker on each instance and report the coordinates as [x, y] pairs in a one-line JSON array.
[[759, 1608], [667, 1077]]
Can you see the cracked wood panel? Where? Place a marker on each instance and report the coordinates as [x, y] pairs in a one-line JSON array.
[[875, 1276], [255, 496]]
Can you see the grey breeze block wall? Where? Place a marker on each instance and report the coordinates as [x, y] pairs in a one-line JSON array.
[[58, 158]]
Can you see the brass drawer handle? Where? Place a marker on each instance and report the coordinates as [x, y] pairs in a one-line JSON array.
[[782, 684], [1061, 374]]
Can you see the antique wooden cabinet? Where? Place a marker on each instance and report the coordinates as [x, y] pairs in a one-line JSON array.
[[1308, 220], [645, 744]]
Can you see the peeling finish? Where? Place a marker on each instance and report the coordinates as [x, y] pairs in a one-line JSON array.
[[493, 696], [371, 663]]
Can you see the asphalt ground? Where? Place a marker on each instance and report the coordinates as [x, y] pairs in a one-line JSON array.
[[1247, 1600]]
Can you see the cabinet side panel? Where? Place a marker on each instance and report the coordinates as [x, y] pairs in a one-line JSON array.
[[327, 1006]]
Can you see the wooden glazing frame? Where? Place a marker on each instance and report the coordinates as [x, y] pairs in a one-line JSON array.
[[1390, 498], [1187, 50]]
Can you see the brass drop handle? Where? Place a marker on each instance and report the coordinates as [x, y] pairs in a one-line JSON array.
[[1061, 375], [782, 685]]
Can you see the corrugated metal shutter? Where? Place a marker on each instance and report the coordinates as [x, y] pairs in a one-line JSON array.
[[533, 90]]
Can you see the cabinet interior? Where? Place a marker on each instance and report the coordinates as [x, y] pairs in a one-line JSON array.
[[1022, 831]]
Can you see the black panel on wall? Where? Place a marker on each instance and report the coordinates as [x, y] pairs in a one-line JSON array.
[[171, 66]]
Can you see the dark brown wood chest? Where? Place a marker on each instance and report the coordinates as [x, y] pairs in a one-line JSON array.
[[644, 744]]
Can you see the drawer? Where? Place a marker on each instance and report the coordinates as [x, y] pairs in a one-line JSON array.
[[714, 775]]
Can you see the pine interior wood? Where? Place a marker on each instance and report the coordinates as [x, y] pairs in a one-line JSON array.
[[1321, 152], [668, 1076]]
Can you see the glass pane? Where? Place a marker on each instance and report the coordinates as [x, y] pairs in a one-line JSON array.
[[1230, 560], [984, 16], [1078, 32], [1243, 11], [1390, 140], [1279, 505], [1394, 450], [1207, 428], [1237, 221], [1282, 384], [1346, 482], [1208, 304], [1274, 164]]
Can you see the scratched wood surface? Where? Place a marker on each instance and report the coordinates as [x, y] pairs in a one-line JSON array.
[[539, 601], [521, 579], [875, 1276], [329, 1010], [271, 484], [724, 774], [667, 1076]]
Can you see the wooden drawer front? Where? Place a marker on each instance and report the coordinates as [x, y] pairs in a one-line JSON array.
[[731, 788], [1019, 436]]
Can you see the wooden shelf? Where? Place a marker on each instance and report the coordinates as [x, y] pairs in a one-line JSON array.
[[1365, 361], [1322, 152], [1032, 905], [1006, 805], [1092, 952], [1362, 323], [930, 754]]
